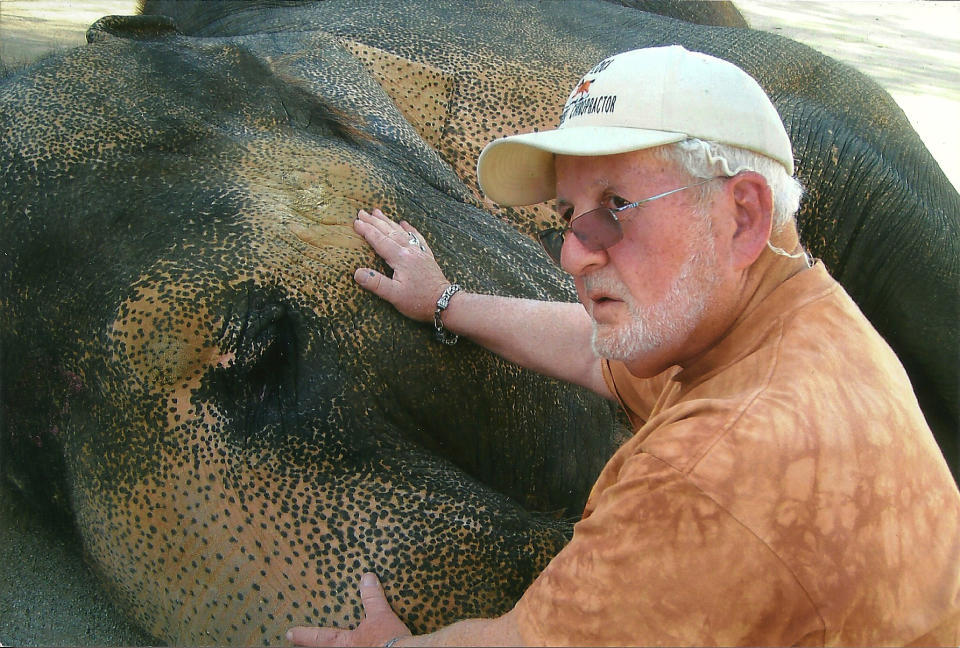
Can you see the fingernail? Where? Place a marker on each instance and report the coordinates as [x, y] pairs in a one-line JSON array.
[[362, 276], [368, 579], [289, 635]]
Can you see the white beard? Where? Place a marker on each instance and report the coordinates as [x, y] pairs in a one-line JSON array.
[[669, 320]]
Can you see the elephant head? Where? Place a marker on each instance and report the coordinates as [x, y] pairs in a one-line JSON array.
[[235, 428]]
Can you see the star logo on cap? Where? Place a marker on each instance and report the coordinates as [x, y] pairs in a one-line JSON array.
[[583, 88]]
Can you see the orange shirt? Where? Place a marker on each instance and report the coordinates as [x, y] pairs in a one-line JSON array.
[[785, 489]]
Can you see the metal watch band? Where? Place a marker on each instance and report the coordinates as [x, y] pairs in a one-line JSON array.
[[444, 335]]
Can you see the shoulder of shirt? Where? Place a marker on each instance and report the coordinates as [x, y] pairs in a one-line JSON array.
[[685, 433]]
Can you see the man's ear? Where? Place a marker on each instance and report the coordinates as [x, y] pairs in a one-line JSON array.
[[753, 215]]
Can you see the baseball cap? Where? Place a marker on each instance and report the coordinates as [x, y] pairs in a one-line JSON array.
[[632, 101]]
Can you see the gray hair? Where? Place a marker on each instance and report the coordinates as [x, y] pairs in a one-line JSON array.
[[701, 159]]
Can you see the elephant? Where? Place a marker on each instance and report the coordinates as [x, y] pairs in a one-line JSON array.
[[236, 431]]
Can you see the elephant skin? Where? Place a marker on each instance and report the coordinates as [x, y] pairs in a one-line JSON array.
[[235, 429]]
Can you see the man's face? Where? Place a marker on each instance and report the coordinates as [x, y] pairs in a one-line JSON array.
[[649, 292]]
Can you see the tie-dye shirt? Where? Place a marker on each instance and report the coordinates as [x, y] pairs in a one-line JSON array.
[[784, 489]]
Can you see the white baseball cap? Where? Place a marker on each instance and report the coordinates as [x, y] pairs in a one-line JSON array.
[[633, 101]]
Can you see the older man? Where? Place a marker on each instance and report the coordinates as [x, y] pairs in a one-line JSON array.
[[782, 486]]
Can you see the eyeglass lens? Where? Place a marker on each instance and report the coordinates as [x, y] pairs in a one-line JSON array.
[[599, 228], [596, 229]]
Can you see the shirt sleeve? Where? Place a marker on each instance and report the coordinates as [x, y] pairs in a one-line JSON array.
[[658, 562]]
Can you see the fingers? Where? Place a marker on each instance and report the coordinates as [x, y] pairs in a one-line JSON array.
[[410, 229], [376, 221], [372, 596], [398, 232], [301, 636], [377, 217], [379, 625], [393, 291], [388, 239], [378, 284], [417, 280], [369, 279]]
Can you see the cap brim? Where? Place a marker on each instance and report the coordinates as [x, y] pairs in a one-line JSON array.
[[518, 170]]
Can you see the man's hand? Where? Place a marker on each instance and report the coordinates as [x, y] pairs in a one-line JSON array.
[[417, 280], [379, 625]]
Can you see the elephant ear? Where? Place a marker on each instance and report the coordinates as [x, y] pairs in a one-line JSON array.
[[423, 93], [324, 69], [458, 109]]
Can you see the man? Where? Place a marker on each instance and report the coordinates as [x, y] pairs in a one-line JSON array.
[[782, 486]]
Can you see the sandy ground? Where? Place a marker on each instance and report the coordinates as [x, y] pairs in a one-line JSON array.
[[910, 48], [47, 595]]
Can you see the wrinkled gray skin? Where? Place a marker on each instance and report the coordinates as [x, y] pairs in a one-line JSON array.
[[235, 430]]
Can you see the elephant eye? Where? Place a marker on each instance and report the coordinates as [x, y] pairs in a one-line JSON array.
[[258, 390]]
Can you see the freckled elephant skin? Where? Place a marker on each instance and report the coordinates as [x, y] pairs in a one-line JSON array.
[[878, 210], [236, 429]]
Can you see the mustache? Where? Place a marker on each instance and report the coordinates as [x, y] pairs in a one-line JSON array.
[[606, 283]]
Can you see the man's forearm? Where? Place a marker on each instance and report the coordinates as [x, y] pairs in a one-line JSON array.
[[552, 338]]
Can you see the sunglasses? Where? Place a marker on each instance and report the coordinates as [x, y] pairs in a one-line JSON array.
[[597, 229]]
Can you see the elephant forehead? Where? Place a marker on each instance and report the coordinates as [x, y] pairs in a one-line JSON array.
[[314, 195], [284, 235]]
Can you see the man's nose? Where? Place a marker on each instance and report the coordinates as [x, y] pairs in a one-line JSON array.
[[577, 259]]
